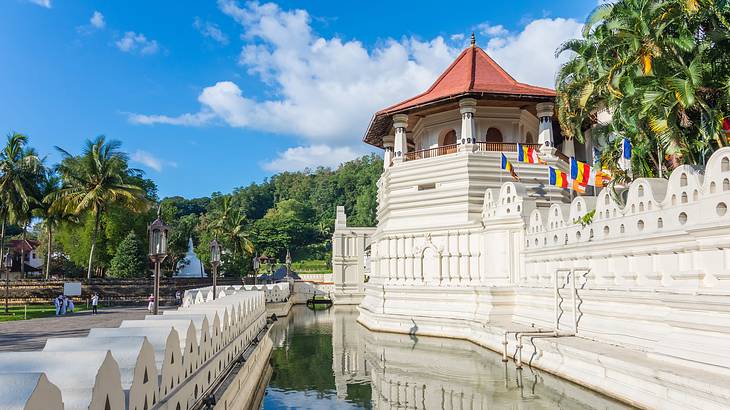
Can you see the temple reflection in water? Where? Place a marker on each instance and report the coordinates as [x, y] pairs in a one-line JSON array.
[[325, 359]]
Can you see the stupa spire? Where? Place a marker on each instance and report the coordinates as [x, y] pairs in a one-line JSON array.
[[473, 39]]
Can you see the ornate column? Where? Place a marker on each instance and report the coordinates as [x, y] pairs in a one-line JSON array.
[[388, 154], [467, 108], [545, 131], [400, 122]]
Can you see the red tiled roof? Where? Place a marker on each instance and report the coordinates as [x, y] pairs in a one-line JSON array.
[[472, 74], [473, 71], [26, 245]]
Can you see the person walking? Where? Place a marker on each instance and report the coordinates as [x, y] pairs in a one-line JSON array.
[[151, 303], [178, 298], [94, 303], [70, 305], [64, 304]]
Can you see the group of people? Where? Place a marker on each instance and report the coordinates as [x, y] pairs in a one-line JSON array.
[[65, 304]]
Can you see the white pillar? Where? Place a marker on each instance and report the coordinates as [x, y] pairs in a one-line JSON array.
[[568, 147], [400, 122], [467, 108], [388, 154], [545, 132]]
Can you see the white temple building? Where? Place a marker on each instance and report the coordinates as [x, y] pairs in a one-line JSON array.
[[634, 304], [190, 266]]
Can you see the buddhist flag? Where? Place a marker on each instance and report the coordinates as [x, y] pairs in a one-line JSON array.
[[527, 154], [507, 166], [581, 189], [580, 172], [598, 178], [625, 161], [558, 178]]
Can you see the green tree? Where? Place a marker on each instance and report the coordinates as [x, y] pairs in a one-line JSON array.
[[19, 171], [661, 69], [130, 261], [50, 217], [94, 181]]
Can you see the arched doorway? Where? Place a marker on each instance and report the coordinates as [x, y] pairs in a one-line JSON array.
[[529, 139], [494, 135], [449, 138]]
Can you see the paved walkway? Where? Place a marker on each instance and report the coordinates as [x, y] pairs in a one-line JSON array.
[[24, 335]]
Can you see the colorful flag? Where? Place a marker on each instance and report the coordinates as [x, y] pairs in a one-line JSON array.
[[528, 155], [598, 178], [581, 189], [558, 178], [625, 161], [580, 171], [506, 165], [726, 127], [596, 156]]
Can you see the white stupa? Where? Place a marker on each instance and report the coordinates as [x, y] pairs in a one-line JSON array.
[[190, 267]]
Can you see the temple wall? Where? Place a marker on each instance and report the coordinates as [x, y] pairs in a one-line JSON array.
[[651, 272], [170, 361]]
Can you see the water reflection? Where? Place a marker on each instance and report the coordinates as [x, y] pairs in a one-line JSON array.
[[325, 359]]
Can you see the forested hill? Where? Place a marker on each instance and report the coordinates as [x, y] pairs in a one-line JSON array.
[[294, 210]]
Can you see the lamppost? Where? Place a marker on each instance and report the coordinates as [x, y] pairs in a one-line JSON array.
[[8, 265], [256, 267], [158, 252], [215, 260]]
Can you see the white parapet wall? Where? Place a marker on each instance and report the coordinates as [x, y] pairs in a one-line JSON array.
[[273, 292], [170, 361], [651, 269]]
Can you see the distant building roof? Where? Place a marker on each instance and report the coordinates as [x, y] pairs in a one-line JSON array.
[[23, 245], [279, 275]]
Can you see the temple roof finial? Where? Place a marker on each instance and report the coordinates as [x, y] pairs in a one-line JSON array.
[[473, 39]]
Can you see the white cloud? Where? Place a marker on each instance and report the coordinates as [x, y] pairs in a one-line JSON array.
[[133, 42], [457, 37], [97, 20], [42, 3], [529, 55], [195, 119], [300, 158], [326, 89], [489, 30], [151, 161], [210, 30]]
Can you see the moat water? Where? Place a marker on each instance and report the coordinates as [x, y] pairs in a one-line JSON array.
[[326, 360]]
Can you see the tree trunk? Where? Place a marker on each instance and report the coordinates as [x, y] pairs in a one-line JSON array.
[[48, 255], [2, 257], [22, 251], [93, 243]]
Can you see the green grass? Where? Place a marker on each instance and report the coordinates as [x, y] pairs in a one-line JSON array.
[[34, 312]]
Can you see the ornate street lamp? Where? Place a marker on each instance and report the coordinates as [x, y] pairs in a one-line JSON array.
[[215, 260], [158, 232], [8, 265], [256, 267]]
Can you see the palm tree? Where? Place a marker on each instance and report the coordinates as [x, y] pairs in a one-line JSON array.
[[229, 224], [51, 216], [19, 170], [93, 181], [659, 68]]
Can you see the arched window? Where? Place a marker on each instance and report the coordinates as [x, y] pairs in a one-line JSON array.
[[449, 138], [529, 139], [494, 135]]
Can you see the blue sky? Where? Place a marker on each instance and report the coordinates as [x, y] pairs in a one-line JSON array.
[[210, 95]]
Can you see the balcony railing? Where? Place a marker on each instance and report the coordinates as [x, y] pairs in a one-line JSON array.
[[450, 149]]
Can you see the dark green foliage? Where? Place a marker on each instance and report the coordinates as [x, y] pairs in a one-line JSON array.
[[130, 260]]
